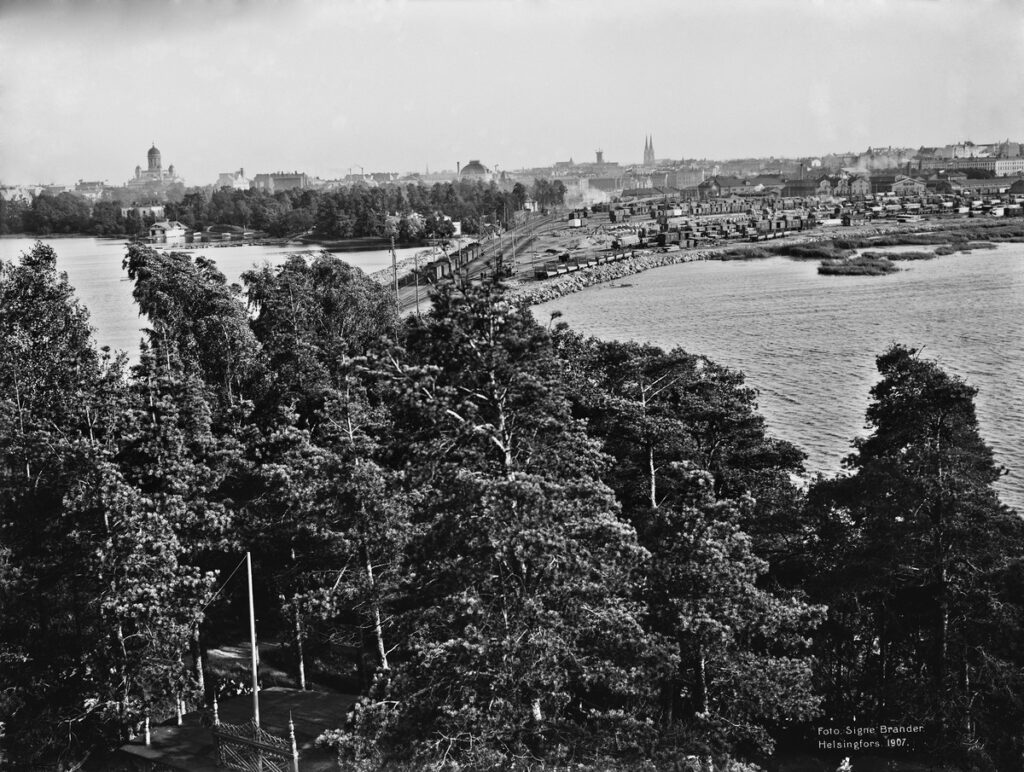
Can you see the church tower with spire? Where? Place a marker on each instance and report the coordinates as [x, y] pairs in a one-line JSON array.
[[649, 151]]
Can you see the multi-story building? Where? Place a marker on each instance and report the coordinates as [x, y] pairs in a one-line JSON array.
[[1009, 167], [859, 186], [91, 190], [972, 162], [236, 180], [716, 187], [277, 181]]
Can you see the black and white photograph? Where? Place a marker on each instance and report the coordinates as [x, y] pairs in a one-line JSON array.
[[512, 385]]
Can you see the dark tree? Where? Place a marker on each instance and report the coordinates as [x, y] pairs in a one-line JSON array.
[[923, 553], [695, 470], [517, 633], [195, 314]]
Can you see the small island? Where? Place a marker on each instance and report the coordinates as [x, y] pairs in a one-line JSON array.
[[864, 265], [898, 256]]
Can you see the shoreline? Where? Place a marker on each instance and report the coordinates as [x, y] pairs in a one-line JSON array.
[[542, 291]]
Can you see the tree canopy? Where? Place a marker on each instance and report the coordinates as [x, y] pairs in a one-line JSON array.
[[515, 546]]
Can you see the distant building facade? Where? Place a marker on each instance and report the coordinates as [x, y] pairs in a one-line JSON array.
[[156, 211], [235, 180], [860, 186], [909, 186], [968, 162], [167, 232], [277, 181], [1009, 167], [719, 186], [91, 190]]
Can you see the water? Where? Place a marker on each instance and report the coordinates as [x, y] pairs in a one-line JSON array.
[[807, 343], [94, 269]]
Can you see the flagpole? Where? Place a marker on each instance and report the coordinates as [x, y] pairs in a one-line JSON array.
[[255, 651]]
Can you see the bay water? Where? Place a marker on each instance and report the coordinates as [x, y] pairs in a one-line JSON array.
[[94, 269], [807, 343]]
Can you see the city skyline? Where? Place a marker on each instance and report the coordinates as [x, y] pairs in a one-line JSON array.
[[402, 86]]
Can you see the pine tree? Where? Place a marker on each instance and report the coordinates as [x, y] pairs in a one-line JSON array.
[[691, 456], [924, 551], [518, 639]]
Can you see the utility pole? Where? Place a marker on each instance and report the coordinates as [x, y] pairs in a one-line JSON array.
[[416, 270], [394, 268], [500, 257], [513, 253]]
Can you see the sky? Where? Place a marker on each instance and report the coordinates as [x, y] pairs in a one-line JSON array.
[[333, 86]]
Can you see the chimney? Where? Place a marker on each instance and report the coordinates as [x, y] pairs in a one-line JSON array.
[[458, 168]]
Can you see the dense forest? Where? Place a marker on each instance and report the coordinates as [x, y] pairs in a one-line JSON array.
[[408, 212], [549, 551]]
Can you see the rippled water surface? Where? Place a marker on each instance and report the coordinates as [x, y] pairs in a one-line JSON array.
[[807, 343]]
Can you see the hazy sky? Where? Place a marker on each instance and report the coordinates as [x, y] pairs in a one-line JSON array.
[[323, 86]]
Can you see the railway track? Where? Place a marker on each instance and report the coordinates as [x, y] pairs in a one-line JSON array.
[[493, 252]]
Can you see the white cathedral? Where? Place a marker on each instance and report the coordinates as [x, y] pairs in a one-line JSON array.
[[155, 174]]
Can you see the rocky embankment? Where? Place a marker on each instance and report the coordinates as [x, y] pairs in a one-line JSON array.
[[540, 292]]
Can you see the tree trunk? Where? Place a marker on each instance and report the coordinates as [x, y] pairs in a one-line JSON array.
[[965, 690], [299, 653], [122, 706], [701, 695], [378, 630], [197, 663], [942, 633], [651, 471], [668, 699]]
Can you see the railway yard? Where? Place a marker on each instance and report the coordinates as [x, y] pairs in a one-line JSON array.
[[555, 254]]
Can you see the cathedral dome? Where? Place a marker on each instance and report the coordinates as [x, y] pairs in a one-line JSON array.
[[474, 169]]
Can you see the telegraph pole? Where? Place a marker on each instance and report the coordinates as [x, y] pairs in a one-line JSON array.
[[416, 269], [513, 252], [394, 268]]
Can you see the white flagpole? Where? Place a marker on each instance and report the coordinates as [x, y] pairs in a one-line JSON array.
[[255, 651]]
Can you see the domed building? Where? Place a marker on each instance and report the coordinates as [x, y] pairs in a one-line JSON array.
[[154, 175], [475, 170]]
